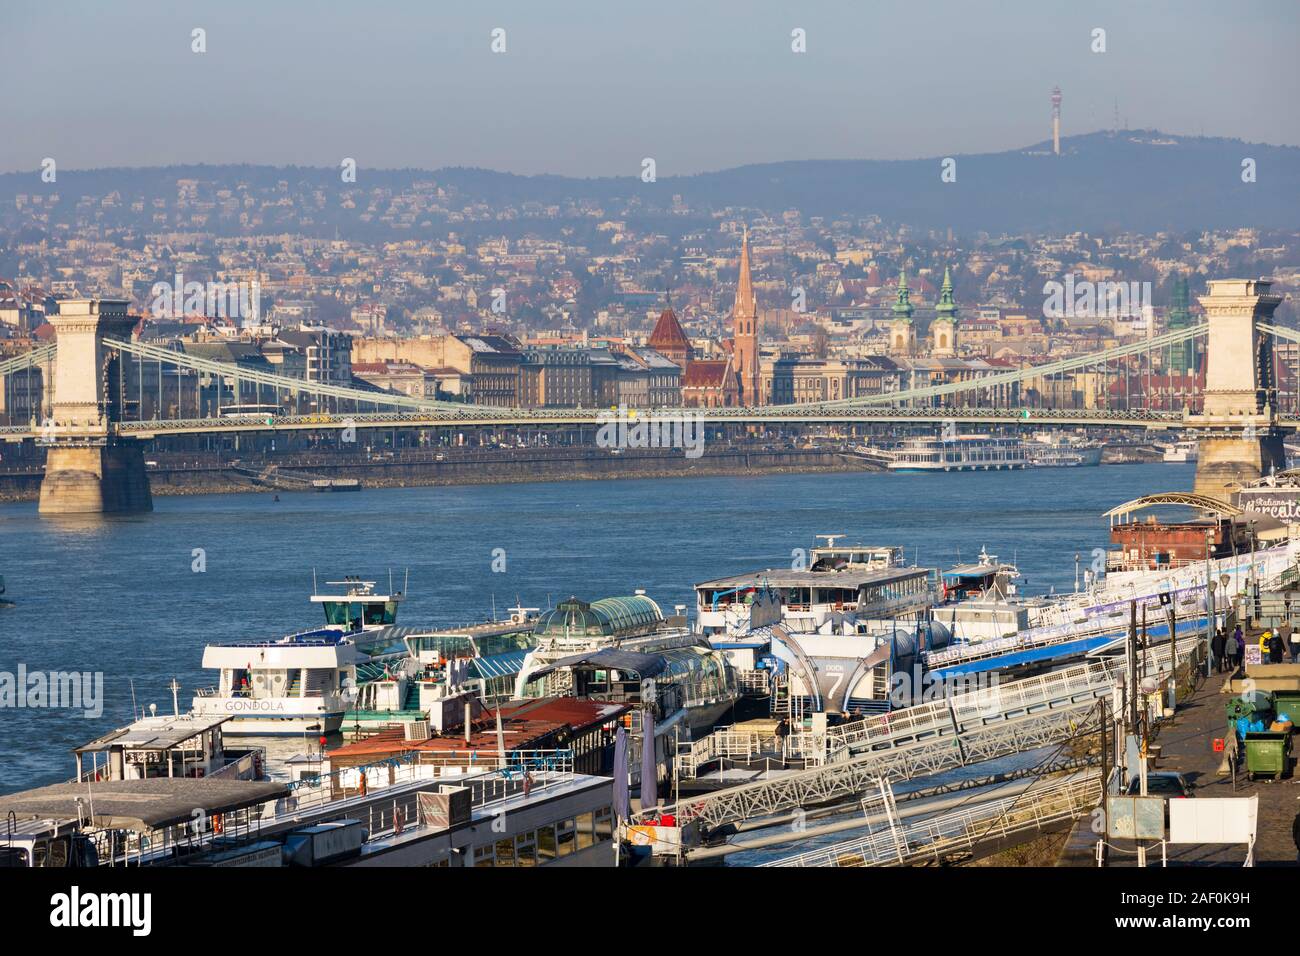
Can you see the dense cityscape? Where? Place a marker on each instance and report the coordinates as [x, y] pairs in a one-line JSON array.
[[688, 441]]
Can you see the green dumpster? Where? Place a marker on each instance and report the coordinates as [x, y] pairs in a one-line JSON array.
[[1287, 702], [1267, 753]]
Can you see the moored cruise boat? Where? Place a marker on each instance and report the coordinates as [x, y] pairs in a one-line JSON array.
[[299, 684], [1183, 451], [962, 453], [1062, 454]]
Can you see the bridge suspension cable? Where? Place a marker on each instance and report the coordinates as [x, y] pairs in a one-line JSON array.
[[300, 386], [1031, 372]]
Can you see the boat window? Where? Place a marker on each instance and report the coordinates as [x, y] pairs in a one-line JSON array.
[[526, 849], [605, 823], [384, 612], [547, 848], [336, 612], [586, 831], [11, 858], [506, 852], [566, 831]]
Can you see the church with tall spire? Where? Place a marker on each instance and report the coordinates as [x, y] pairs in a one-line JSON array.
[[902, 333], [744, 329], [943, 330]]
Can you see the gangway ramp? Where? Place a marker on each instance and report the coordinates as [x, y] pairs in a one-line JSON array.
[[842, 780], [998, 703], [963, 833]]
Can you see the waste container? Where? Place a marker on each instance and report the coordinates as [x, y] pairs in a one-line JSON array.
[[1287, 702], [1267, 753]]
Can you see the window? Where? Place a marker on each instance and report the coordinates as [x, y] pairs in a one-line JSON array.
[[586, 831], [506, 852], [565, 831], [604, 823], [526, 849], [547, 848], [483, 855]]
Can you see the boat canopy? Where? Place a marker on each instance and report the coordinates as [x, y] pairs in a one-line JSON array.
[[608, 617]]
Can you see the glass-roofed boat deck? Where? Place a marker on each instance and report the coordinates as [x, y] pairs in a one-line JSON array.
[[870, 592]]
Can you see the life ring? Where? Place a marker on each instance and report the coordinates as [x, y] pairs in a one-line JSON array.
[[218, 825]]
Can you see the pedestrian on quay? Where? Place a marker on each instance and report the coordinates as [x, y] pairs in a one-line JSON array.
[[1276, 648], [1238, 647], [1218, 645]]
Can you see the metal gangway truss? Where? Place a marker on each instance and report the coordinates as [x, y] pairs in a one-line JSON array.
[[958, 834], [843, 780], [1067, 688], [942, 735]]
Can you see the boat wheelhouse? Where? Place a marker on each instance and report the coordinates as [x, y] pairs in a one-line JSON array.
[[482, 659], [961, 453], [298, 684], [354, 605]]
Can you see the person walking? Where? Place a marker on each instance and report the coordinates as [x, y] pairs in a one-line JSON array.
[[1218, 645], [1238, 647], [1276, 648]]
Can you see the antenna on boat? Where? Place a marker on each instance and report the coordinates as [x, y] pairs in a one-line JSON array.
[[134, 712], [406, 583], [313, 580], [390, 581]]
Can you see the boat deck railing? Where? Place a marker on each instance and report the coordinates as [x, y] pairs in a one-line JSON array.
[[387, 803]]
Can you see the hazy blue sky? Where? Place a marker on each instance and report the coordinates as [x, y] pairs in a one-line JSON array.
[[589, 88]]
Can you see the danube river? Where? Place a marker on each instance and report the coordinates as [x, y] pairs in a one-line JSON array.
[[136, 598]]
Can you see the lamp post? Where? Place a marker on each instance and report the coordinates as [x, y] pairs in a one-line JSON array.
[[1209, 627], [1076, 572]]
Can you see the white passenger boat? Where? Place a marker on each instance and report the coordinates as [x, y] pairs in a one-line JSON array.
[[1183, 451], [298, 684], [1062, 454], [962, 453]]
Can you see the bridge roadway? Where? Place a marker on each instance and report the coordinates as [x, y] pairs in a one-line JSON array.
[[929, 738], [483, 417]]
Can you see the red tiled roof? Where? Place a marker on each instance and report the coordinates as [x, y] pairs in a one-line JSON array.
[[668, 333], [705, 374]]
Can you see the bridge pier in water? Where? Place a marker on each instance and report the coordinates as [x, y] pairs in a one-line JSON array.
[[87, 468], [1240, 439]]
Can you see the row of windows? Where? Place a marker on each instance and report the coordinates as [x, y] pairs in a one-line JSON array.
[[546, 844]]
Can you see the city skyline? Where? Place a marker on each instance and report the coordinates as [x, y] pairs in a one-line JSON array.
[[407, 88]]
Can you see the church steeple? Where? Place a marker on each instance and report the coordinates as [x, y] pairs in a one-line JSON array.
[[946, 308], [745, 305], [903, 305], [744, 329], [943, 330]]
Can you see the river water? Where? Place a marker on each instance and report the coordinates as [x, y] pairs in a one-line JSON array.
[[121, 596]]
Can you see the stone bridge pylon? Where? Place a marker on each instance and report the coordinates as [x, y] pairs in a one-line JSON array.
[[1239, 436], [88, 469]]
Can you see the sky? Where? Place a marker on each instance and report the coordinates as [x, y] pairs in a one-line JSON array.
[[592, 88]]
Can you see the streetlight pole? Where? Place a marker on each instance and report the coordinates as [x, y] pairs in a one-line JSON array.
[[1209, 605]]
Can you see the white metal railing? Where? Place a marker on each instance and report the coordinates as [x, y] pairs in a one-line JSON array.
[[936, 837]]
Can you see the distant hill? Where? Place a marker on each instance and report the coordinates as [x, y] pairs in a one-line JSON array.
[[1140, 180]]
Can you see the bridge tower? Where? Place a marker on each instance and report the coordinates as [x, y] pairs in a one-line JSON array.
[[1239, 435], [87, 468]]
